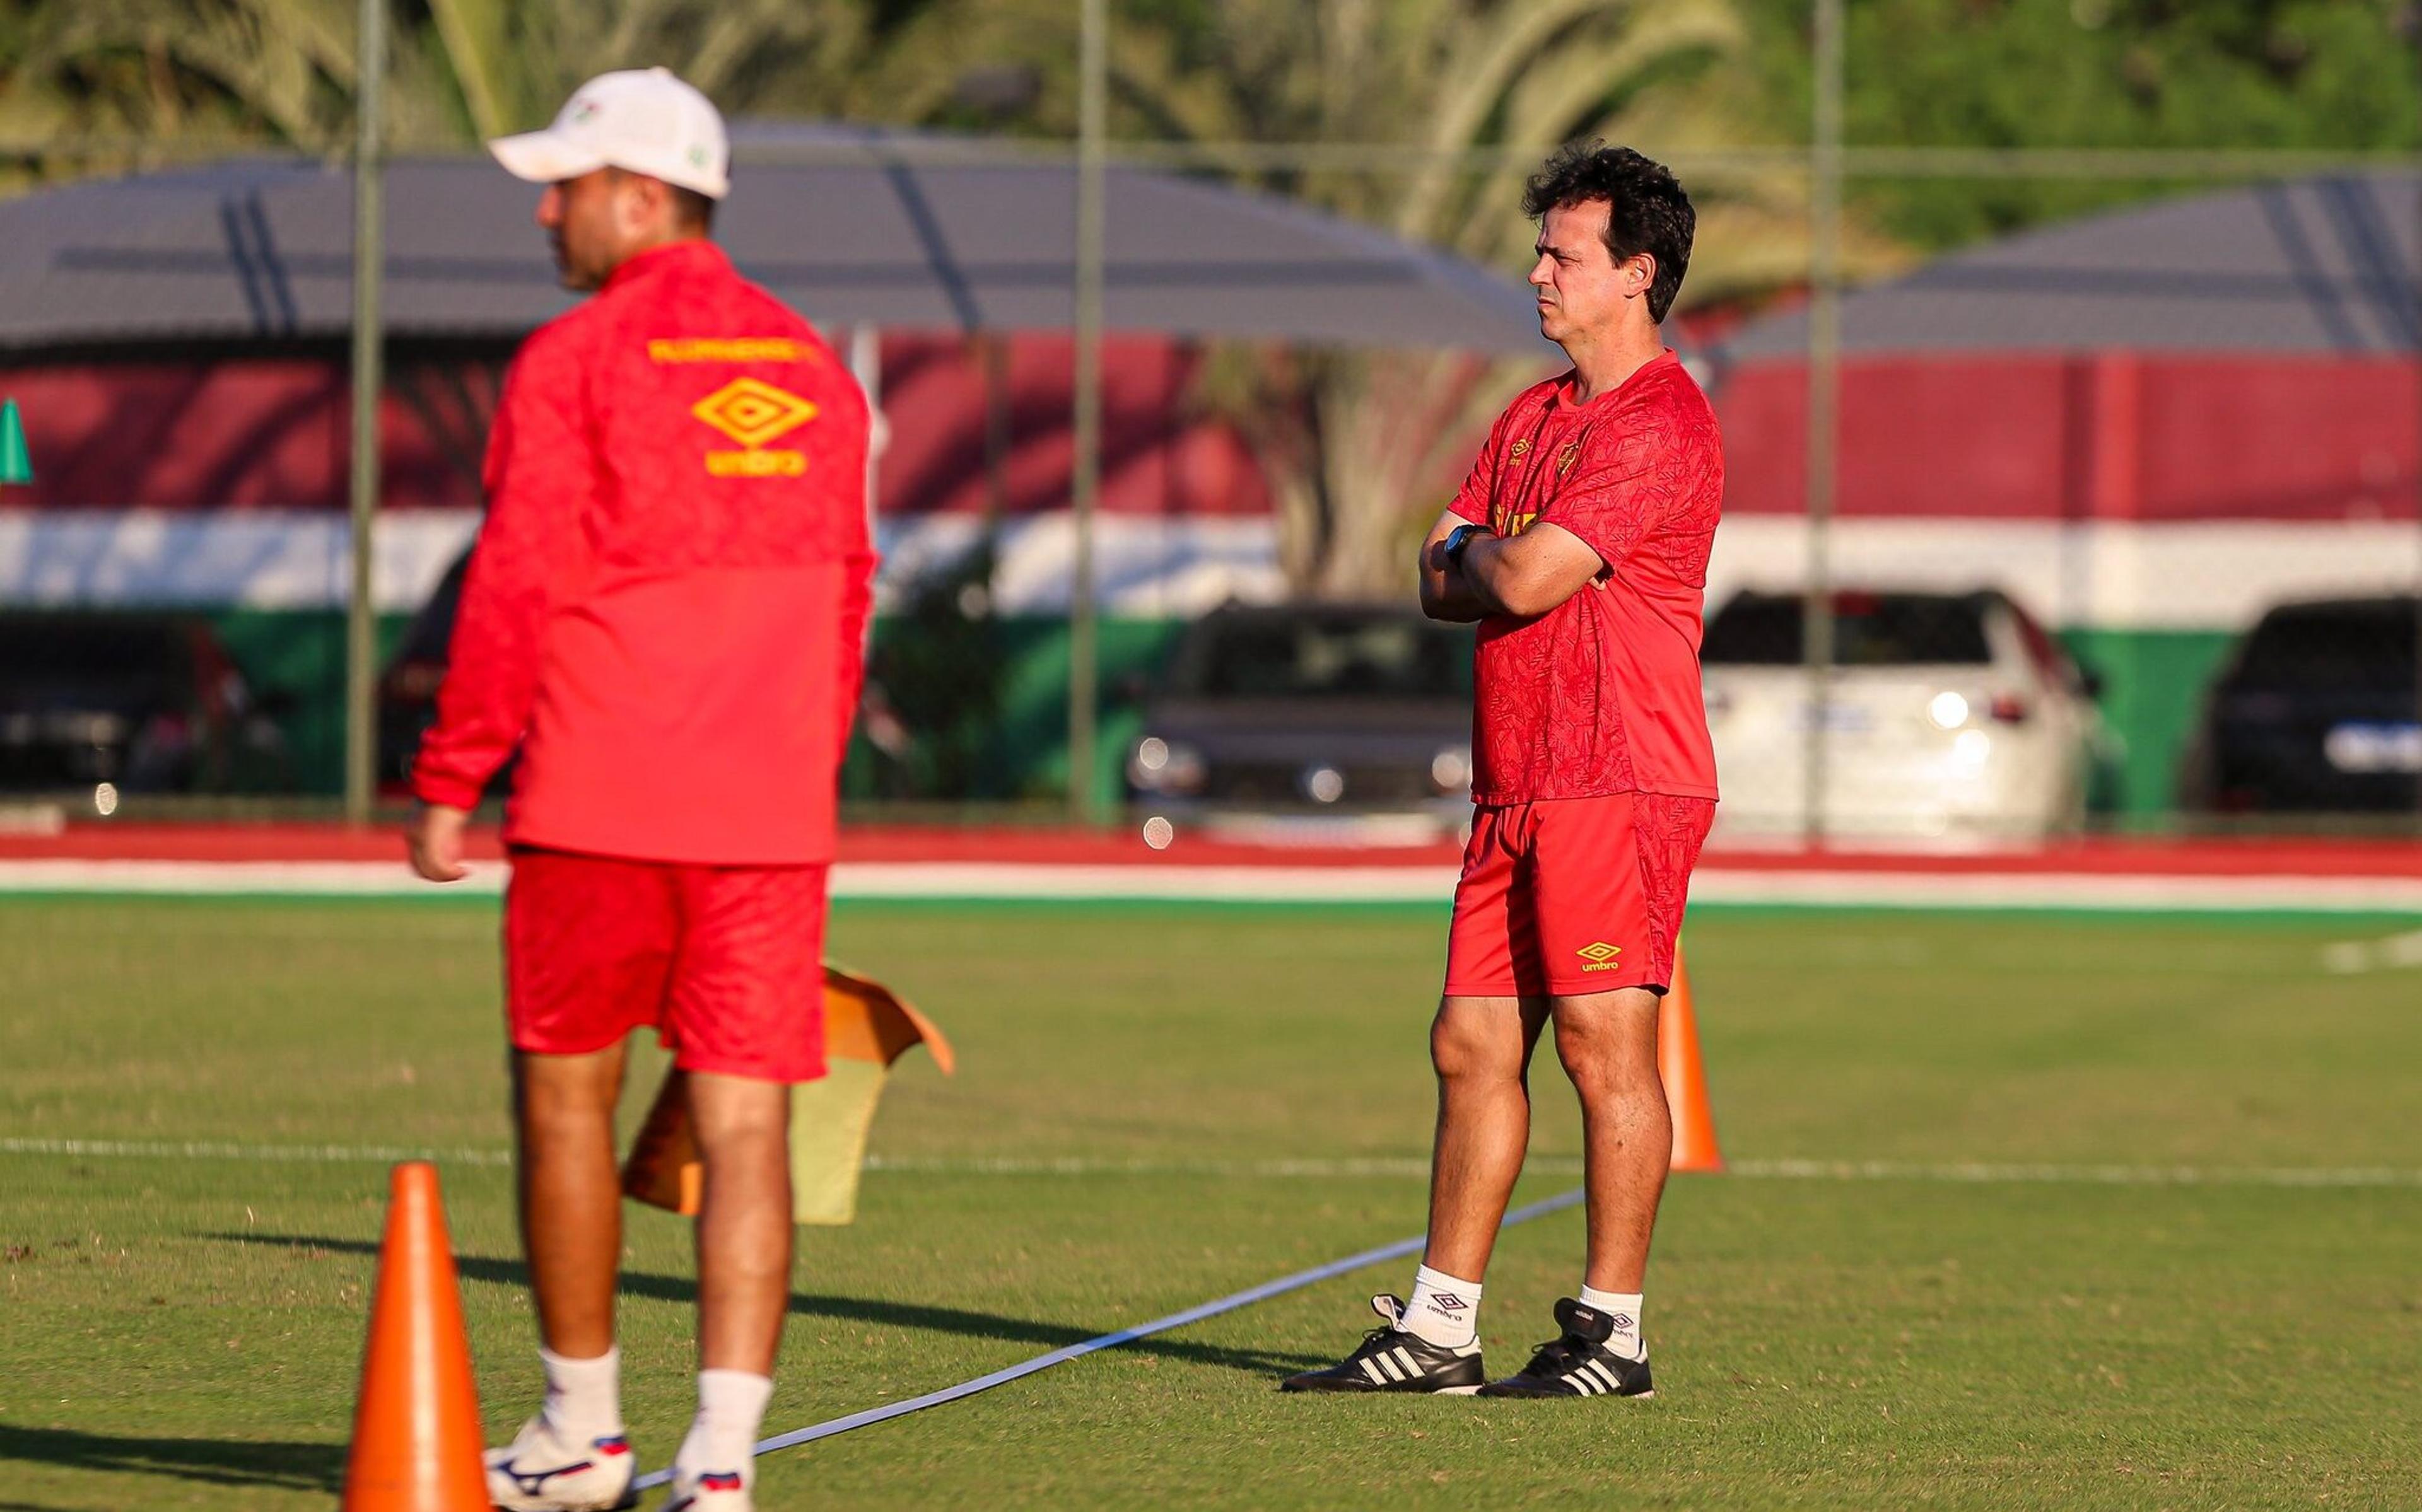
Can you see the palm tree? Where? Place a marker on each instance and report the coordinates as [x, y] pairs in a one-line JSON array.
[[1359, 445], [514, 60], [281, 73]]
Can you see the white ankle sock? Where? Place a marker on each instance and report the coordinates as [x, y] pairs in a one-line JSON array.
[[1442, 1309], [1623, 1309], [731, 1408], [584, 1397]]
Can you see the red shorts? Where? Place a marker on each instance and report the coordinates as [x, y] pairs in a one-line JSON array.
[[1573, 895], [726, 963]]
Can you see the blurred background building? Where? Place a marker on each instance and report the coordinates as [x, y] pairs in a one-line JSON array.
[[2115, 414]]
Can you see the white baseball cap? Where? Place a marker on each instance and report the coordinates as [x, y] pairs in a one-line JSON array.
[[640, 120]]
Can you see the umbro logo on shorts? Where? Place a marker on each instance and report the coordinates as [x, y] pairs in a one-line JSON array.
[[1601, 956]]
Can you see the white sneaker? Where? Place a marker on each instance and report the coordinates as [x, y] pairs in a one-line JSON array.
[[709, 1490], [540, 1471]]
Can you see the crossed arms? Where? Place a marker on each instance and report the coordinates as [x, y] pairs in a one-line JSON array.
[[1524, 575]]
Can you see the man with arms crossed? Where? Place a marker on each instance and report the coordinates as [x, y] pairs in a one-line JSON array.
[[1579, 544], [664, 620]]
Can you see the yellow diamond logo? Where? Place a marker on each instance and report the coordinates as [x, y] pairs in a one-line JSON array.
[[1600, 953], [753, 413]]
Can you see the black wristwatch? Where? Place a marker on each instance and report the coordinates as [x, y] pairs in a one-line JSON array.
[[1459, 538]]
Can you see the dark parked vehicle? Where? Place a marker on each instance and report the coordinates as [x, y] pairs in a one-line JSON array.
[[407, 689], [98, 705], [1322, 708], [2316, 712]]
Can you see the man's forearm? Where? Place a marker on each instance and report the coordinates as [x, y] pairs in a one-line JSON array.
[[1446, 591], [1479, 569], [1447, 594]]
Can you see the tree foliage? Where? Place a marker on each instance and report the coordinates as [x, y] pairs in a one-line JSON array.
[[2337, 74]]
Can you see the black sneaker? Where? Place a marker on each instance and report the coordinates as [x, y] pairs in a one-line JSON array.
[[1578, 1364], [1393, 1359]]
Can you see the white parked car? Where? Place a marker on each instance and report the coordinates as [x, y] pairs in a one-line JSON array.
[[1951, 716]]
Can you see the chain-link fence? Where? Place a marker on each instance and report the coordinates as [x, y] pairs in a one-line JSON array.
[[2108, 525]]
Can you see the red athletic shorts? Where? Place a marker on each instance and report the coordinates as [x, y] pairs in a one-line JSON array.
[[1573, 895], [726, 963]]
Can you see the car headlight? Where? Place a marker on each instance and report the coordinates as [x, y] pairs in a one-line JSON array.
[[1451, 769], [1165, 766]]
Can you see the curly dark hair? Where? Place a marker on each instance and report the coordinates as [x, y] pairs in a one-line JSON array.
[[1649, 212]]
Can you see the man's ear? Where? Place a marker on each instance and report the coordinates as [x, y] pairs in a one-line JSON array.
[[650, 204], [1639, 273]]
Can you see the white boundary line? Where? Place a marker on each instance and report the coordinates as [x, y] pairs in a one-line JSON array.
[[1344, 1168], [1715, 883], [2353, 958], [215, 1150]]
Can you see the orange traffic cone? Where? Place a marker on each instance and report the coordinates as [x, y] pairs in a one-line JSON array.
[[416, 1428], [1685, 1077]]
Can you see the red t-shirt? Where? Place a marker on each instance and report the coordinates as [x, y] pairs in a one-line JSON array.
[[1601, 694], [666, 611]]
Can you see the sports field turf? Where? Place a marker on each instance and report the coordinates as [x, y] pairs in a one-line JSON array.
[[184, 1332]]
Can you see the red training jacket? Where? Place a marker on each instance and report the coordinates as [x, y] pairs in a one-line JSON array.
[[666, 607]]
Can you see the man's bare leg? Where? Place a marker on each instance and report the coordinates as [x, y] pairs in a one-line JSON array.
[[572, 1231], [744, 1270], [571, 1193], [744, 1221], [1481, 1049], [1608, 1044]]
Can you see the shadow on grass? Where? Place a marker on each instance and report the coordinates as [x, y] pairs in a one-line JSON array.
[[296, 1467], [922, 1316]]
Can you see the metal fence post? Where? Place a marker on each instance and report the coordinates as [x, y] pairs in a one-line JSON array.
[[1085, 663], [1824, 404], [361, 612]]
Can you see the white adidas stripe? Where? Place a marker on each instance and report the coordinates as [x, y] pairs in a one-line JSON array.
[[1613, 1383], [1404, 1357], [1408, 1166], [1371, 1368]]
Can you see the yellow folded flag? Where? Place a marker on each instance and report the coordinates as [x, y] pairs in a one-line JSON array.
[[866, 1029]]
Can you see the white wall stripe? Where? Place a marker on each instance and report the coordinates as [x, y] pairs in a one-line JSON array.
[[2188, 575], [250, 558], [1147, 566]]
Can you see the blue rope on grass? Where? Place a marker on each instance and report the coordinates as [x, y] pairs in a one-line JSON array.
[[1228, 1304]]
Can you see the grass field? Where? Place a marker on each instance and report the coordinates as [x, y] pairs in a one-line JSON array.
[[183, 1332]]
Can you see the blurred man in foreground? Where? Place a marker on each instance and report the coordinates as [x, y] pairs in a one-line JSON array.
[[1579, 544], [663, 617]]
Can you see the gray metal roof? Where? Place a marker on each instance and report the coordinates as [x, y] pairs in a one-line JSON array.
[[2316, 265], [260, 249]]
